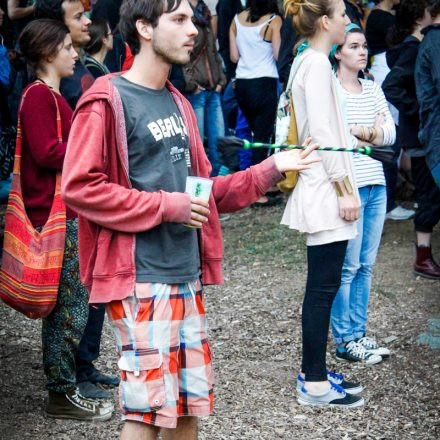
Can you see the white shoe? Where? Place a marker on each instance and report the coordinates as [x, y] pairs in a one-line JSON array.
[[400, 213], [372, 346], [355, 352]]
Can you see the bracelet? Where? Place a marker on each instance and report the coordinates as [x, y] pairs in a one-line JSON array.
[[362, 132], [347, 185], [372, 134]]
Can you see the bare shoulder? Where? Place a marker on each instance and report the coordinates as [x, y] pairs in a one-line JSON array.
[[277, 21]]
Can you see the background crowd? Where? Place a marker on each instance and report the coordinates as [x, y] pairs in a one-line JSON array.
[[243, 56]]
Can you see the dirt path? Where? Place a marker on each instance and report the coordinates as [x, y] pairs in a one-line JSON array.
[[255, 329]]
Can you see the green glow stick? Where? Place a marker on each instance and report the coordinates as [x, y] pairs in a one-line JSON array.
[[362, 150]]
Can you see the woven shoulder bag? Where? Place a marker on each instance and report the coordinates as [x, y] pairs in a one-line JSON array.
[[32, 260]]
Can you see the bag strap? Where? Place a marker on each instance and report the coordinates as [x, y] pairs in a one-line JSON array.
[[294, 69], [19, 143], [19, 127]]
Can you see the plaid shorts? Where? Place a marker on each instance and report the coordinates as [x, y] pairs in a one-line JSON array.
[[164, 353]]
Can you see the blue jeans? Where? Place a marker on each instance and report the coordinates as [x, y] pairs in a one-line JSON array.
[[349, 312], [208, 109]]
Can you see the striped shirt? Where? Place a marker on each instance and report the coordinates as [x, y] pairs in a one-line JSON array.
[[362, 109]]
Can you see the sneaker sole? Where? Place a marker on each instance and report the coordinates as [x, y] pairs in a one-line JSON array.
[[356, 404], [378, 361], [383, 355], [102, 418], [352, 391]]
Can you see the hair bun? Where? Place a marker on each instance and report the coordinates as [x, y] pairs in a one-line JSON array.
[[293, 6]]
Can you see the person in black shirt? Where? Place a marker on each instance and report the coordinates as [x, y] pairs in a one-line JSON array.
[[400, 89], [379, 22]]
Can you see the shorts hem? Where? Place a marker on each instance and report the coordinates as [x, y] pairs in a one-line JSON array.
[[167, 422]]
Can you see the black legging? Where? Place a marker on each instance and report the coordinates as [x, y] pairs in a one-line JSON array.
[[258, 98], [323, 280]]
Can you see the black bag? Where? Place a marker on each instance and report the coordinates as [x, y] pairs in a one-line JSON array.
[[7, 151]]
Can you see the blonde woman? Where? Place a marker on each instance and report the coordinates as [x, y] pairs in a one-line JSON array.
[[325, 201]]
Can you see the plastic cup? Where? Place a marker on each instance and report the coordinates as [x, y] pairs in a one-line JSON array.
[[198, 187]]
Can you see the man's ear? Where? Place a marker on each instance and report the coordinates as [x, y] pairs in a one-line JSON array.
[[145, 30]]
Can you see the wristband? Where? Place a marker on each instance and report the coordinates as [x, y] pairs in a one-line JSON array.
[[347, 186]]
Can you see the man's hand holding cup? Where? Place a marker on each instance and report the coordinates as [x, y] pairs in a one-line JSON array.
[[199, 189]]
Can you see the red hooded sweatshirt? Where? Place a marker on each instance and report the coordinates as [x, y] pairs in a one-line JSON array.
[[110, 212]]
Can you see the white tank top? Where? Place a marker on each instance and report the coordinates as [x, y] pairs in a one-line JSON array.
[[256, 55]]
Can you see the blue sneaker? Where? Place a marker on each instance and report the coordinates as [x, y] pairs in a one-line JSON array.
[[335, 396], [336, 378]]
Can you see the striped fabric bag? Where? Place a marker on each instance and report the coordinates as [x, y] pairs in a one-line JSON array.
[[32, 260]]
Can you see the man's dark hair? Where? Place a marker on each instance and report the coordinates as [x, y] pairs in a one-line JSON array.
[[147, 10], [51, 9], [435, 9], [406, 16], [99, 29]]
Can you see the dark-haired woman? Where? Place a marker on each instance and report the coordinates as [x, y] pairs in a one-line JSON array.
[[254, 44], [371, 123], [101, 42], [47, 47], [400, 89]]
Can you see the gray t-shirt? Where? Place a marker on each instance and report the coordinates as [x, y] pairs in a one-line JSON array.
[[159, 159]]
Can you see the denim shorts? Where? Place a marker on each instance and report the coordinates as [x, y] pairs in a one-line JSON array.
[[164, 353]]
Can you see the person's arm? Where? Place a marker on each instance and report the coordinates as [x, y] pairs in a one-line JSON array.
[[388, 127], [275, 35], [318, 97], [87, 189], [39, 126], [15, 12], [234, 54]]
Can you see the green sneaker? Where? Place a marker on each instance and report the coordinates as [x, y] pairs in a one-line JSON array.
[[72, 405]]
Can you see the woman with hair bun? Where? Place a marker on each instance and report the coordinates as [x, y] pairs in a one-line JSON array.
[[325, 202]]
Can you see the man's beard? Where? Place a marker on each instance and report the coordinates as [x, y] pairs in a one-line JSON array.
[[170, 55]]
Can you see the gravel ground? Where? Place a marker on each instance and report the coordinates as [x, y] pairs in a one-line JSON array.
[[256, 334]]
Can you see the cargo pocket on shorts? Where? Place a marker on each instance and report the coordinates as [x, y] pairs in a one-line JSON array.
[[142, 384]]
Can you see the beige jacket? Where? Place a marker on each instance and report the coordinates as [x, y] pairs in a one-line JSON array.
[[312, 206]]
